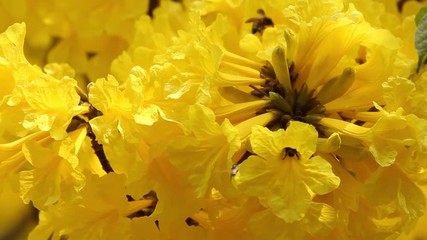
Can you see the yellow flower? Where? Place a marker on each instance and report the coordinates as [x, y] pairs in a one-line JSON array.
[[41, 101], [102, 205], [205, 155], [409, 95], [54, 176], [152, 36], [172, 189], [309, 75], [399, 196], [11, 155], [116, 120], [396, 16], [12, 56], [48, 105], [283, 174]]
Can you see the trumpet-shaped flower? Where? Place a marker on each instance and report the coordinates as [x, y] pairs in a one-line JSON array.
[[41, 101], [49, 105], [172, 189], [152, 36], [102, 204], [54, 176], [391, 188], [116, 120], [409, 95], [106, 215], [283, 174], [12, 157], [205, 155], [129, 108]]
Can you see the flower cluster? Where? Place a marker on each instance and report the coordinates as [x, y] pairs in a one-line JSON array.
[[215, 119]]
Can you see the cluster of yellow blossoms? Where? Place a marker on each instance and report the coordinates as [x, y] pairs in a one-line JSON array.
[[214, 119]]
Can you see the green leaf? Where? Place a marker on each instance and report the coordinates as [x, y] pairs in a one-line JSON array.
[[420, 15], [421, 40]]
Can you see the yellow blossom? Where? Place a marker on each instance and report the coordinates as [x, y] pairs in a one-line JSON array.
[[392, 189], [207, 167], [54, 176], [44, 102], [116, 119], [12, 157], [284, 180], [103, 205]]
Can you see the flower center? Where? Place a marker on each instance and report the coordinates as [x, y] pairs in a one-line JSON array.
[[288, 104]]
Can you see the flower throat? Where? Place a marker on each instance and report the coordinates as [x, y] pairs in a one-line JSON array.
[[287, 102]]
